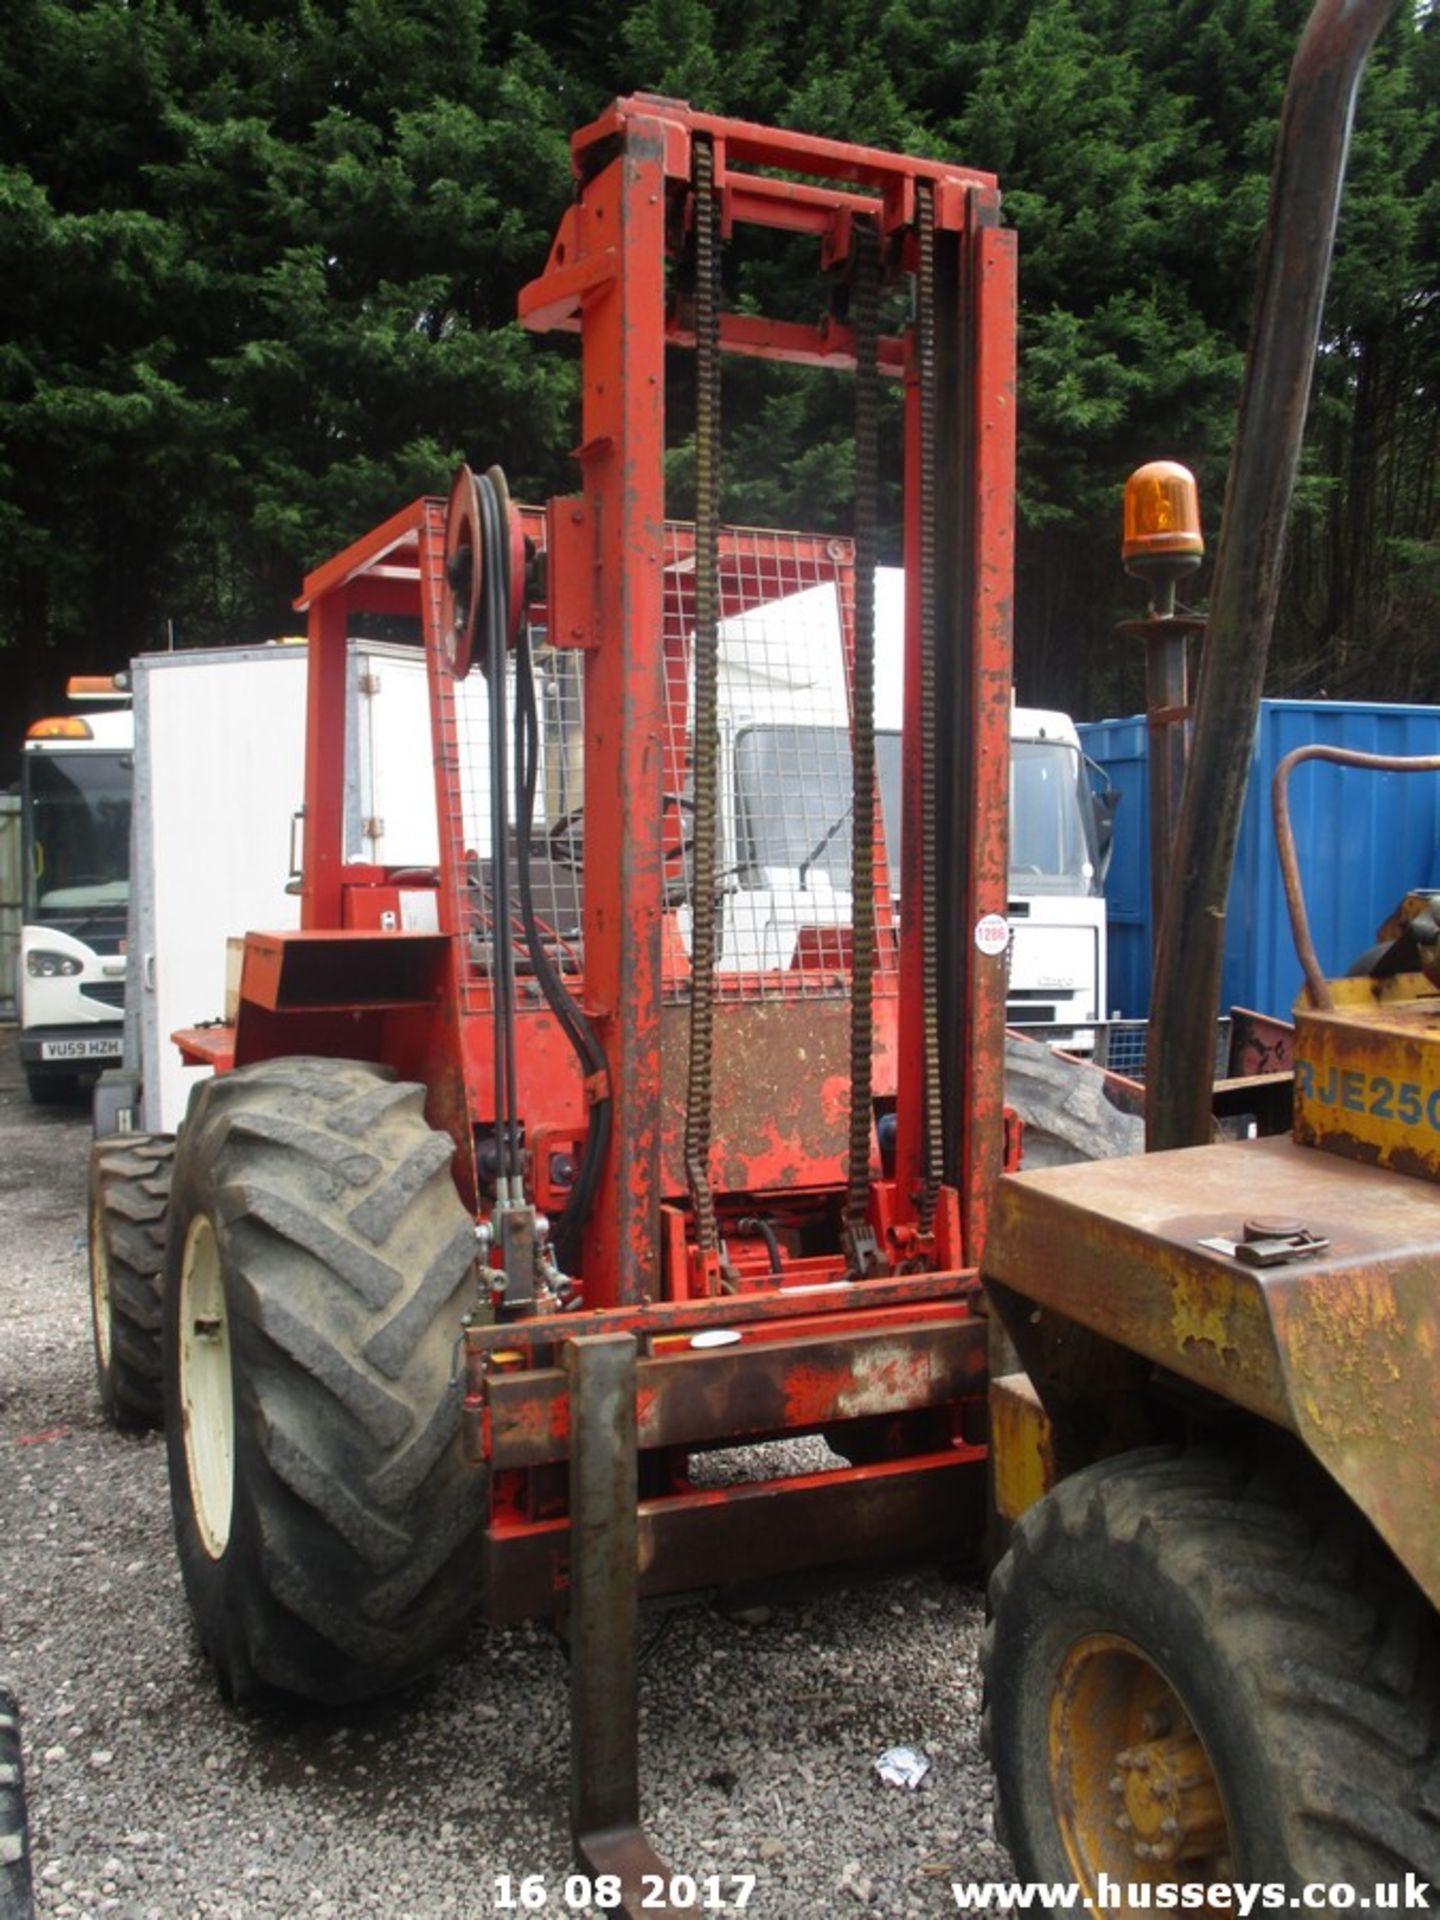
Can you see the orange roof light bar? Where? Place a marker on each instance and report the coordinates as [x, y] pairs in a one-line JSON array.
[[98, 686]]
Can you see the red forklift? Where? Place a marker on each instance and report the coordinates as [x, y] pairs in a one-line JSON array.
[[526, 1181]]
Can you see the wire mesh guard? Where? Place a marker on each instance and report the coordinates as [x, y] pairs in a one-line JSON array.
[[786, 799], [785, 811], [1122, 1046], [556, 839]]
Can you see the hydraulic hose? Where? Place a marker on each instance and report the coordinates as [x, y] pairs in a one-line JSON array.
[[561, 1001], [495, 591]]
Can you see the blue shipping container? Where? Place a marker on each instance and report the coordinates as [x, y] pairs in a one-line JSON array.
[[1364, 839]]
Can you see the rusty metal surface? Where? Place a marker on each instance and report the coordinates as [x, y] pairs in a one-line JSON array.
[[629, 1857], [956, 860], [1167, 700], [605, 1618], [983, 822], [781, 1079], [865, 299], [1367, 1074], [621, 459], [1294, 268], [1259, 1044], [937, 746], [753, 1388], [1339, 1349], [919, 1508], [1256, 1092], [792, 1305], [1022, 1447], [705, 745]]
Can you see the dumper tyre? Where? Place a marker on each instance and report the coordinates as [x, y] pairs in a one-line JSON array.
[[129, 1203], [318, 1268], [16, 1889], [1178, 1635]]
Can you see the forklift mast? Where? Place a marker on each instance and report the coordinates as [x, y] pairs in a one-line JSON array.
[[708, 1080], [658, 186]]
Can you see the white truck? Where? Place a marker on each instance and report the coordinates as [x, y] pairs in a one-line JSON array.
[[219, 773], [785, 812], [1058, 838], [219, 782], [75, 825]]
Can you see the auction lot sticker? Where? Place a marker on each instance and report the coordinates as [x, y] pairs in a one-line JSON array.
[[992, 933]]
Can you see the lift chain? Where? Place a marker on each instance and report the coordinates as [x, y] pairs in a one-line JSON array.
[[929, 901], [865, 309], [705, 730]]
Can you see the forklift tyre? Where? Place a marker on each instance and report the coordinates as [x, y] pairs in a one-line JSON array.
[[318, 1268], [129, 1199], [16, 1893], [1185, 1654]]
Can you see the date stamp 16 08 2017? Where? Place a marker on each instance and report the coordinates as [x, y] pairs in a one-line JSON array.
[[601, 1893]]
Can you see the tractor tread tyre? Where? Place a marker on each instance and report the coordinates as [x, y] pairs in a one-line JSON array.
[[16, 1893], [346, 1258], [1305, 1657], [129, 1204]]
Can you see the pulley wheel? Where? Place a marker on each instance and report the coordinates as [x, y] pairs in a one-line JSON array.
[[464, 547], [515, 540], [468, 551]]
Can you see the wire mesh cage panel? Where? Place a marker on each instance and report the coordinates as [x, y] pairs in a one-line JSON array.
[[785, 767], [1122, 1046], [553, 846], [555, 838], [784, 778]]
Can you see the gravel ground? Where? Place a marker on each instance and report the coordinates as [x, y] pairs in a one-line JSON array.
[[150, 1799]]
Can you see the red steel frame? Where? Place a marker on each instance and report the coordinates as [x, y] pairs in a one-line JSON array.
[[606, 278], [811, 1357]]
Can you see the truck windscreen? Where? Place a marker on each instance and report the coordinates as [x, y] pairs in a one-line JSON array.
[[792, 789], [793, 799], [1052, 844], [78, 831]]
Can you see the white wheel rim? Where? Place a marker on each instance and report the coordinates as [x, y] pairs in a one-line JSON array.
[[100, 1285], [207, 1396]]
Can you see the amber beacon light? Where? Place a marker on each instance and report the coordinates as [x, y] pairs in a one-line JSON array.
[[1162, 540]]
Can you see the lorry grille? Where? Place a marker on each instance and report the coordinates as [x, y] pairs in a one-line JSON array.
[[110, 993]]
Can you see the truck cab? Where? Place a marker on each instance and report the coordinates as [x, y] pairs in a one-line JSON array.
[[75, 806], [786, 825], [1056, 904]]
